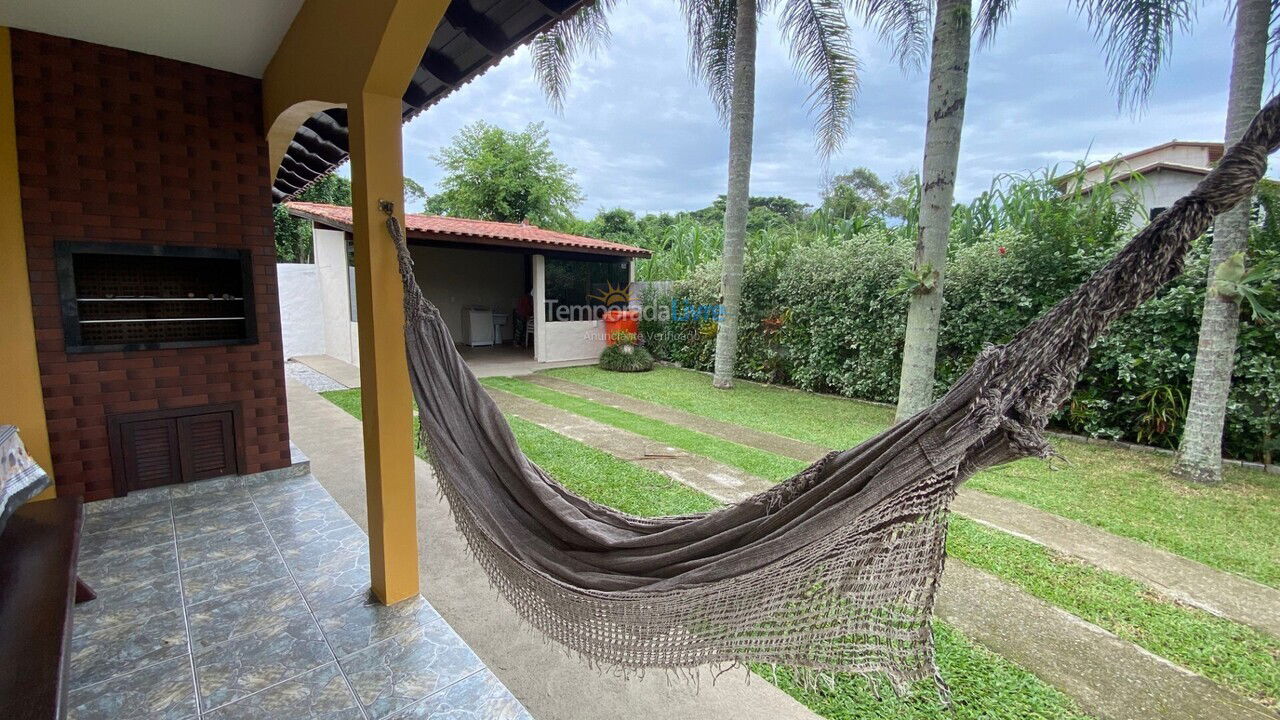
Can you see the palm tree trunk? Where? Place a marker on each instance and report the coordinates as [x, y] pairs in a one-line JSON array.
[[742, 110], [1200, 452], [948, 89]]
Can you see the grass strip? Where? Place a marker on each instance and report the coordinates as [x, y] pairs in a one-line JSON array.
[[1224, 651], [1130, 493], [757, 462], [984, 686]]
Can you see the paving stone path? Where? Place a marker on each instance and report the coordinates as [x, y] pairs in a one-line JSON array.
[[1111, 678], [1221, 593]]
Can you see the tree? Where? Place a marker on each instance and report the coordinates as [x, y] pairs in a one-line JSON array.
[[857, 193], [414, 193], [618, 225], [1135, 35], [1199, 457], [504, 175], [293, 235], [722, 53]]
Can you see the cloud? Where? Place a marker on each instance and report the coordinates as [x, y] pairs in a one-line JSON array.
[[643, 135]]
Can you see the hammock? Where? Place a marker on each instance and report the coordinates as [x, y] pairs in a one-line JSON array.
[[835, 569]]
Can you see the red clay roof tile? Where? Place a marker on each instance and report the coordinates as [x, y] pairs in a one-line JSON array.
[[460, 230]]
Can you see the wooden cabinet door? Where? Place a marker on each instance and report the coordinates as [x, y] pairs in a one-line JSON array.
[[150, 454], [207, 445]]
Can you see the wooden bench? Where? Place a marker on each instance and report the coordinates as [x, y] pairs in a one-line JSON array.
[[38, 590]]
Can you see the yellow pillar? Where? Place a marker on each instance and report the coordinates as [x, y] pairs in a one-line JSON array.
[[21, 398], [377, 175], [362, 55]]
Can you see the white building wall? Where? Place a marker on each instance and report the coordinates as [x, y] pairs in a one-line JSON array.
[[454, 278], [1159, 188], [301, 314], [332, 277]]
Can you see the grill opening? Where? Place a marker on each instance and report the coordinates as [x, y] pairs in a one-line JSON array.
[[145, 297]]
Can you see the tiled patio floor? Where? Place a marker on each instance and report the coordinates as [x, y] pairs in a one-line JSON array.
[[248, 599]]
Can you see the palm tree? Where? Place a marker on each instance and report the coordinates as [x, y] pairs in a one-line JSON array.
[[1135, 36], [1199, 456], [722, 53]]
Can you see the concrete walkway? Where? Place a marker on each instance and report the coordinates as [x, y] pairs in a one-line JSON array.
[[1221, 593], [1110, 677], [550, 683]]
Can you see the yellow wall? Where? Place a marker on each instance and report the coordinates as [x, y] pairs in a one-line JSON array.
[[21, 399]]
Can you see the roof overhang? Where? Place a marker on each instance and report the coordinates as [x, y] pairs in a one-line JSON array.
[[238, 36], [490, 240], [473, 36]]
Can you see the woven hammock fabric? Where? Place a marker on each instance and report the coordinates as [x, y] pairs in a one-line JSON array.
[[835, 569]]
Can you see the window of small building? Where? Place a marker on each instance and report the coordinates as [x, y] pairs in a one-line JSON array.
[[584, 289]]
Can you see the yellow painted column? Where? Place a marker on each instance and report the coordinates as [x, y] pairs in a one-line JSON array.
[[21, 398], [377, 174]]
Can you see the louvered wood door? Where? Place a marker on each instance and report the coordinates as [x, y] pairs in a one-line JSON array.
[[151, 455], [206, 444]]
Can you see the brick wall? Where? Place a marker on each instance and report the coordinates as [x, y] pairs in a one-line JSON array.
[[125, 147]]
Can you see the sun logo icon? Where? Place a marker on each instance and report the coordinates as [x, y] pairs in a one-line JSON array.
[[613, 295]]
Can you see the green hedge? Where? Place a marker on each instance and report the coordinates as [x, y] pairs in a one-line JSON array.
[[826, 318]]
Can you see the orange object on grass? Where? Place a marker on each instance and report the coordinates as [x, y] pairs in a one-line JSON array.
[[621, 321]]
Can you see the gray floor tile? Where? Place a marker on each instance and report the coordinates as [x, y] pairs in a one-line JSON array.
[[215, 520], [398, 672], [302, 525], [359, 622], [341, 575], [137, 497], [294, 498], [264, 487], [127, 516], [119, 604], [323, 550], [205, 486], [129, 566], [215, 579], [240, 543], [320, 694], [476, 697], [118, 541], [210, 501], [123, 648], [164, 691], [244, 612], [243, 666]]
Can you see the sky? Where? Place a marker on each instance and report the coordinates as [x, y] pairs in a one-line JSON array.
[[642, 135]]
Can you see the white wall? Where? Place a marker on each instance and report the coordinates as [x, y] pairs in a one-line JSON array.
[[301, 316], [340, 337], [572, 340], [1159, 188], [453, 278]]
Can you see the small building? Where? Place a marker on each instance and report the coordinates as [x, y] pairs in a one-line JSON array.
[[1167, 171], [486, 278]]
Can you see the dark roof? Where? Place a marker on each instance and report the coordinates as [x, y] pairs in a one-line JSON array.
[[472, 36], [472, 232]]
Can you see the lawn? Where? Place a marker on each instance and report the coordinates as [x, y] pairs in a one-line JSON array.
[[1222, 650], [984, 685], [1230, 527]]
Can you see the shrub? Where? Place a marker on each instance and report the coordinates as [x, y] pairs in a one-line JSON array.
[[823, 317], [625, 356]]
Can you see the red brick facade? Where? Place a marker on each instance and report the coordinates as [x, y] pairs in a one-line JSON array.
[[125, 147]]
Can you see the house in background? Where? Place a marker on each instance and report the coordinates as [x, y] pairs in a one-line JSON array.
[[479, 274], [1157, 175]]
